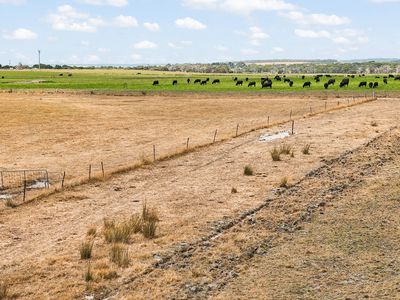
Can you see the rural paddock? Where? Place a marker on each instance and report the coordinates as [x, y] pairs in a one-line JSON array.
[[205, 234], [72, 133]]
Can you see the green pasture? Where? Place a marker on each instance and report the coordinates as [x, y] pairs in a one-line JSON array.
[[131, 80]]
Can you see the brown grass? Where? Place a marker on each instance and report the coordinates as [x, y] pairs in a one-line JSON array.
[[86, 249], [88, 273], [248, 171], [119, 255], [306, 149], [275, 154]]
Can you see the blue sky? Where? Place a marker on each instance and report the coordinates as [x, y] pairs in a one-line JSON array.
[[177, 31]]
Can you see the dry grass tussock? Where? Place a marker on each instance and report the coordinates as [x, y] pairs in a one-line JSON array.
[[248, 171], [306, 149], [119, 255], [86, 249], [3, 290]]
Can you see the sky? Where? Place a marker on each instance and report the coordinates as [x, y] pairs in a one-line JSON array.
[[196, 31]]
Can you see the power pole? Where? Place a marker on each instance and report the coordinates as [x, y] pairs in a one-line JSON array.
[[39, 58]]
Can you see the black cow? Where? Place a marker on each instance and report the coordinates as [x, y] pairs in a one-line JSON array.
[[376, 84], [208, 79], [175, 82], [385, 81], [61, 74], [362, 83], [156, 82], [215, 81], [286, 80], [235, 79], [328, 76], [326, 85], [267, 84], [69, 75], [303, 77], [252, 84], [291, 83], [307, 84], [344, 82], [278, 78], [204, 82], [188, 81], [391, 76], [197, 81], [371, 85], [317, 79], [331, 81], [264, 79], [239, 82], [247, 79], [397, 78], [2, 77]]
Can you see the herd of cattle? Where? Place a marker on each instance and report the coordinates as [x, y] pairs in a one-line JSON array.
[[266, 82]]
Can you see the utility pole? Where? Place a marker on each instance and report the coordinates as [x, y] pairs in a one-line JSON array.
[[39, 58]]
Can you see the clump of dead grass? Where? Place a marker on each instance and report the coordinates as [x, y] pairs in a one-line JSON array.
[[248, 171], [92, 231], [306, 149], [10, 203], [3, 290], [275, 154], [86, 249], [285, 149], [234, 191], [284, 183], [374, 124], [119, 254], [89, 274]]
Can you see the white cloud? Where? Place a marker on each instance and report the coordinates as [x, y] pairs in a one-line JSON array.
[[240, 6], [126, 21], [68, 19], [277, 50], [316, 19], [189, 23], [257, 35], [312, 34], [385, 1], [180, 45], [151, 26], [116, 3], [93, 58], [145, 45], [21, 34]]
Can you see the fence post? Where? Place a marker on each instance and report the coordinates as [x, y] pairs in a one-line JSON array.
[[291, 111], [268, 121], [102, 169], [215, 135], [2, 180], [62, 181], [237, 130], [24, 186], [187, 143], [90, 172], [47, 179], [154, 152], [293, 127]]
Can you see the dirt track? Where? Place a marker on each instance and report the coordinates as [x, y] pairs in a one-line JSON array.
[[192, 193]]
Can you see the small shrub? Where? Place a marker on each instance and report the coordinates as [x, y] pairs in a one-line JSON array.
[[86, 249], [3, 290], [248, 171], [149, 229], [118, 233], [11, 204], [374, 124], [306, 149], [275, 154], [92, 231], [284, 183], [234, 191], [285, 149], [149, 215], [88, 273], [119, 254]]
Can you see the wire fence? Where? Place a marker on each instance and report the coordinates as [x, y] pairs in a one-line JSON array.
[[19, 185]]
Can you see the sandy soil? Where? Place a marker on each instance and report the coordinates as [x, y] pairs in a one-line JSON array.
[[67, 132], [40, 241]]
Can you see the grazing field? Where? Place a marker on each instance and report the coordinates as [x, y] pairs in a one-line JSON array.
[[211, 224], [142, 81], [59, 132]]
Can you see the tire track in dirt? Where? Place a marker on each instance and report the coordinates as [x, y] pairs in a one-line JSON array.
[[206, 265]]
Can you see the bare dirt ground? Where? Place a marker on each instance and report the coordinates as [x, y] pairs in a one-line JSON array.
[[212, 243], [67, 132]]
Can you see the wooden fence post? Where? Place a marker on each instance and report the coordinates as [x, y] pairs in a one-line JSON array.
[[293, 127], [102, 169], [237, 130], [24, 186], [268, 121], [154, 152], [90, 172], [187, 143], [62, 181], [215, 135]]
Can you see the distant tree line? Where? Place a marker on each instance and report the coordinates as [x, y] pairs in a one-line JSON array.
[[289, 67]]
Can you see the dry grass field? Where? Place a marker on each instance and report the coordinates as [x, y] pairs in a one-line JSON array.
[[331, 233]]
